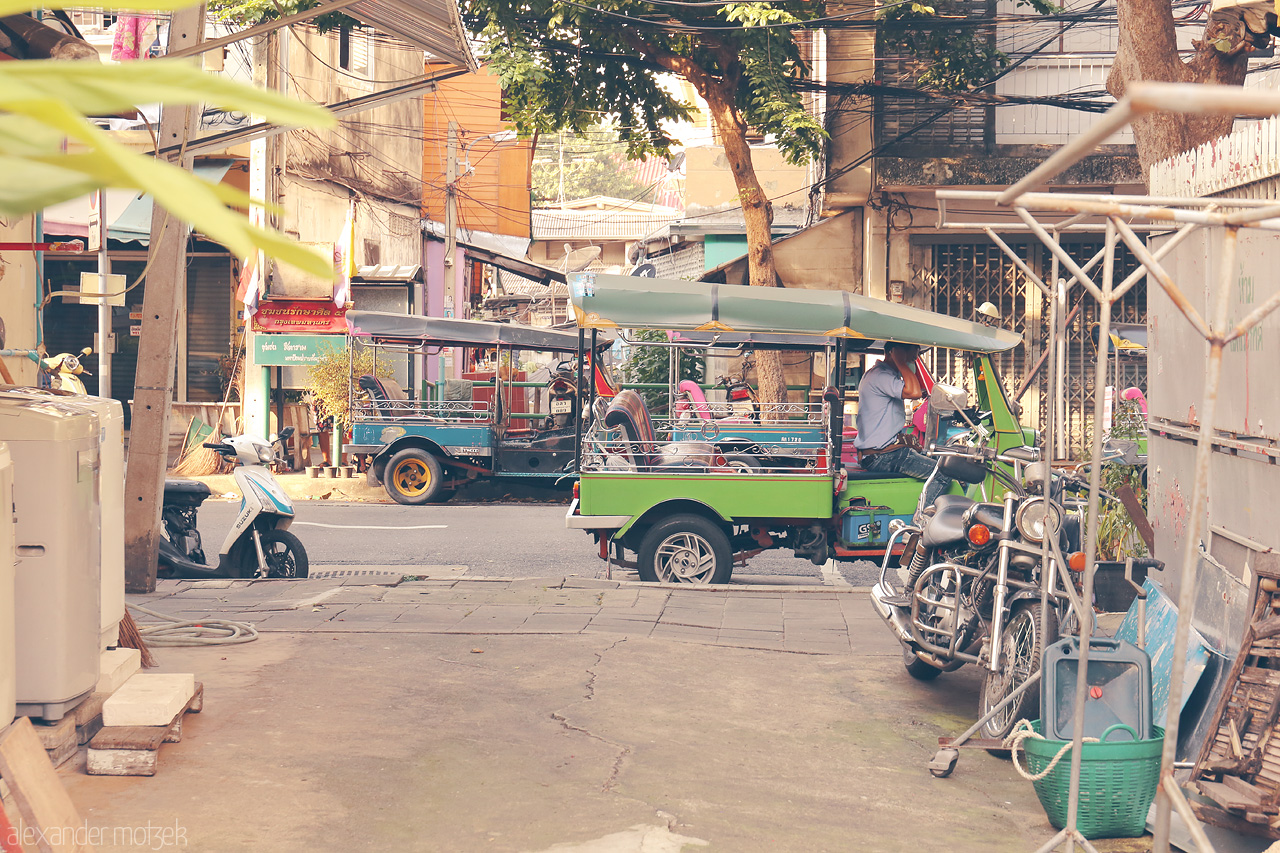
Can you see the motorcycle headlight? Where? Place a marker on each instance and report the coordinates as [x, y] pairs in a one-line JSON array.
[[265, 455], [1034, 517]]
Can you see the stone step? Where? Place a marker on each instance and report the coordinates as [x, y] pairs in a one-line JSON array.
[[149, 699], [135, 750], [117, 666]]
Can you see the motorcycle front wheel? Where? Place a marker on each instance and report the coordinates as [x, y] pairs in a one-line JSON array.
[[1021, 644], [917, 668], [286, 558]]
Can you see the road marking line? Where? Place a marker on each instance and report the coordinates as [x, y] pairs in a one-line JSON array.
[[372, 526]]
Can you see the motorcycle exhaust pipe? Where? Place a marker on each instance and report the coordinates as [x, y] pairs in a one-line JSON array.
[[893, 616]]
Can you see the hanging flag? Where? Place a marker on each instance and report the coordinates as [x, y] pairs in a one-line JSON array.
[[247, 291], [344, 259]]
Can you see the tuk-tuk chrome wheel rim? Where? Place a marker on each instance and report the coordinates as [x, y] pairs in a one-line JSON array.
[[412, 477], [684, 558]]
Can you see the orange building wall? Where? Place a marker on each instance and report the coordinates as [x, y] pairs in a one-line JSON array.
[[494, 197]]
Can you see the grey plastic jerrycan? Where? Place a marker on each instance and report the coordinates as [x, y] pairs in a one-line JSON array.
[[1118, 684]]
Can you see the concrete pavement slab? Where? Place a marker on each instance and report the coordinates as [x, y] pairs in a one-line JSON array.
[[389, 734], [556, 623], [292, 621], [368, 613], [590, 583], [613, 626]]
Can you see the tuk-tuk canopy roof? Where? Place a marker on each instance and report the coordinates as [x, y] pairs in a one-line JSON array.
[[632, 302], [411, 330], [713, 341]]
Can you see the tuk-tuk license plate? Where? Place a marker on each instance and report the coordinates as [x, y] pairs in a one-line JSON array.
[[561, 407]]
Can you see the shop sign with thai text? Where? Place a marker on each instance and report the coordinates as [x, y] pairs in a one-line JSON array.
[[294, 350], [299, 315]]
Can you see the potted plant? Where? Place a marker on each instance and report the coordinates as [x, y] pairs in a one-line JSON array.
[[1119, 539], [329, 392]]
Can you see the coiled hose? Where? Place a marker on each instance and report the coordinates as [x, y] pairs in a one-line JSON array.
[[203, 632]]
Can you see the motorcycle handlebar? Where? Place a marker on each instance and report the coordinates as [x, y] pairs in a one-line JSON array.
[[219, 446]]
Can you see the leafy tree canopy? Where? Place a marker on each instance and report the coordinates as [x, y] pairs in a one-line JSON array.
[[652, 365], [585, 164], [567, 66], [248, 13]]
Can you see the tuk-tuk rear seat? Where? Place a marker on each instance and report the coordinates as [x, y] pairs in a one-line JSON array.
[[628, 412]]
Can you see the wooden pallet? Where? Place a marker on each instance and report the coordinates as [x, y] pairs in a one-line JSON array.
[[1238, 767], [135, 750]]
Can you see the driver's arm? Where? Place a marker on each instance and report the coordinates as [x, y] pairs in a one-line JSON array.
[[912, 386]]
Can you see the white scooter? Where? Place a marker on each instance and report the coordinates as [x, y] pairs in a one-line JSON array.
[[259, 544]]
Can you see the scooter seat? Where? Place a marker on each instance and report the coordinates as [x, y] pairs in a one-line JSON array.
[[185, 491]]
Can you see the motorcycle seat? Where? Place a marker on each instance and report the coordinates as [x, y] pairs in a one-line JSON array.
[[947, 525]]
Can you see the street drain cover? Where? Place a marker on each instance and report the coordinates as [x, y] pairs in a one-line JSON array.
[[332, 574]]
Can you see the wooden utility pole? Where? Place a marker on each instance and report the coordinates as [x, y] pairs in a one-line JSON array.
[[157, 349], [450, 203]]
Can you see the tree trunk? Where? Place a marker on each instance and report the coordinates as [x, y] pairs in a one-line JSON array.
[[757, 214], [1148, 51]]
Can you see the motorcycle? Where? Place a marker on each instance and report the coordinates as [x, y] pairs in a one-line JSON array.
[[563, 391], [64, 371], [739, 393], [259, 544], [974, 578], [741, 406], [567, 397]]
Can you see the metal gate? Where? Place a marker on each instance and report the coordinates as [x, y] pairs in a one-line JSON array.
[[956, 278]]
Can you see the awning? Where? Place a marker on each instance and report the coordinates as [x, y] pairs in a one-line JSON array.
[[388, 273], [413, 330], [823, 256], [433, 25], [128, 213], [499, 259], [603, 301]]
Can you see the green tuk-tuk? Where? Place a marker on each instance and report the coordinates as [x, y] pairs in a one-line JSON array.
[[691, 498]]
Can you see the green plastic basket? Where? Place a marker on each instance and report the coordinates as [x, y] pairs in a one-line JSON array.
[[1117, 782]]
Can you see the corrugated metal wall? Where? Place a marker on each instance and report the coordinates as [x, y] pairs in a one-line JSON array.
[[959, 276]]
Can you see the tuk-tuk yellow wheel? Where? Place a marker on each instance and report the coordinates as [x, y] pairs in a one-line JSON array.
[[414, 477]]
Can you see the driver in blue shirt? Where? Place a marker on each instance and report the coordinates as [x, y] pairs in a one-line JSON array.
[[882, 414]]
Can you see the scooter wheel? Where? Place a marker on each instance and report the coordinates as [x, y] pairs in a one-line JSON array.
[[286, 558]]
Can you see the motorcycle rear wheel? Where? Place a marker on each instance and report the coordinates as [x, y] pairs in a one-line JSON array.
[[1022, 642]]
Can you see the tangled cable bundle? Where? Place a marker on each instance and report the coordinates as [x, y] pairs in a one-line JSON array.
[[203, 632]]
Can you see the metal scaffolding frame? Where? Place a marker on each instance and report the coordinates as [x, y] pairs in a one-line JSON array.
[[1111, 214]]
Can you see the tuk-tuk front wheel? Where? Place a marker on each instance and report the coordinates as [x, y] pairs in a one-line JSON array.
[[414, 477], [686, 549]]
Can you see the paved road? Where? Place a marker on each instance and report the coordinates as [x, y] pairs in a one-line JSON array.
[[494, 540]]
